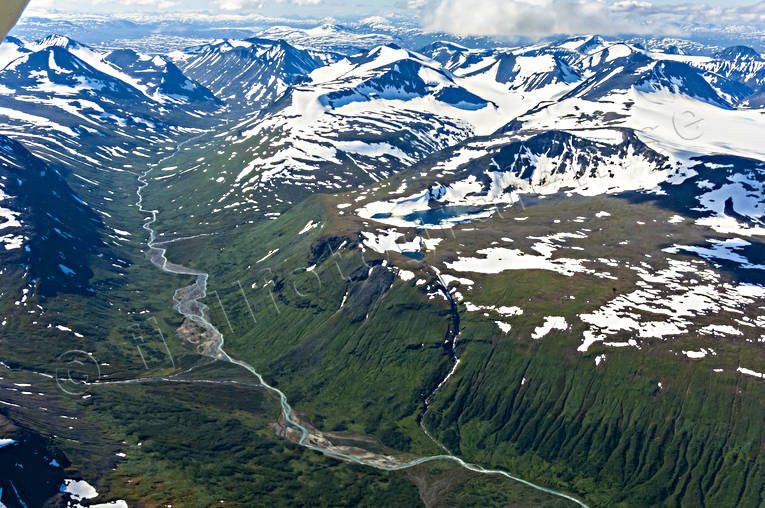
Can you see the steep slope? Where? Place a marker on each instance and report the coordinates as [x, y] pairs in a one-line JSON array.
[[160, 79], [576, 317], [740, 65], [473, 180], [404, 79], [534, 258], [353, 122], [519, 70], [63, 97], [50, 236], [727, 79], [152, 76], [99, 117], [31, 472], [249, 74], [11, 49]]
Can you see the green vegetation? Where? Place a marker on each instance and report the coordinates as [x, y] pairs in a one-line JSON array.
[[216, 445], [537, 408], [368, 372], [357, 350]]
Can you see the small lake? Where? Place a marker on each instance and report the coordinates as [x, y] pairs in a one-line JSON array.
[[436, 216]]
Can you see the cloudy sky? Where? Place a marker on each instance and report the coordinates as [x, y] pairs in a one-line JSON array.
[[533, 18]]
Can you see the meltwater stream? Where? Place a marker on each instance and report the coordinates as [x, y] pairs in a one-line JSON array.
[[188, 305]]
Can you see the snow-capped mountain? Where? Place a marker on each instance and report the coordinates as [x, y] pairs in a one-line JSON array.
[[630, 121], [405, 77], [353, 37], [557, 160], [152, 77], [336, 124], [48, 235], [518, 69], [90, 110], [742, 73], [329, 37], [249, 74], [482, 175], [333, 122], [59, 87], [514, 228], [160, 79], [11, 49], [637, 71], [74, 115], [726, 193], [730, 78], [354, 121]]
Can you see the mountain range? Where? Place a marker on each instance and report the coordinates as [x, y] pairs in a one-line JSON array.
[[413, 269]]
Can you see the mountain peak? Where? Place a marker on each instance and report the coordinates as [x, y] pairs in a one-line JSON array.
[[55, 40], [738, 53], [330, 26], [591, 42], [680, 78], [375, 21], [382, 55], [582, 43], [14, 41]]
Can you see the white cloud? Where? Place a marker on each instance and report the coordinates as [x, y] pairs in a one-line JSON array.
[[43, 7], [157, 4], [539, 18], [300, 2], [531, 18], [752, 15], [39, 7], [235, 5], [141, 2]]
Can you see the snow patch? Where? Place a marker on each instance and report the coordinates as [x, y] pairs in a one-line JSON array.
[[551, 323]]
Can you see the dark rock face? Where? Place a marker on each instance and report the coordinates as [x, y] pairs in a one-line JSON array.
[[61, 231], [31, 472]]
